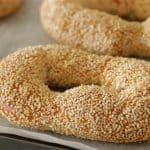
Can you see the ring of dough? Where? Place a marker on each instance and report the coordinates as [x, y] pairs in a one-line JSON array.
[[77, 23], [108, 97]]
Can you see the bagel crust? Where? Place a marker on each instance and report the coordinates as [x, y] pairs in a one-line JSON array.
[[8, 6], [131, 9], [79, 25], [108, 99]]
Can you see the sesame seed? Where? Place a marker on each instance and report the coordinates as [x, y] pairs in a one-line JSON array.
[[108, 98]]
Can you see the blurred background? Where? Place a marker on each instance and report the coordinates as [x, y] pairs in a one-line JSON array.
[[22, 28]]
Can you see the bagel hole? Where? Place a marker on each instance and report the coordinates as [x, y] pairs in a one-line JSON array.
[[58, 88], [130, 19], [127, 18]]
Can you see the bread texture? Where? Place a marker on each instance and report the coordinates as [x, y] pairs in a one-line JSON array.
[[106, 98], [74, 23]]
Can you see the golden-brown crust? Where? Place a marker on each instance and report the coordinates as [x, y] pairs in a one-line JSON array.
[[131, 9], [110, 100], [95, 31], [8, 6]]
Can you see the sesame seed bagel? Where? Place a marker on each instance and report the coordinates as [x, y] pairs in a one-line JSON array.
[[76, 23], [8, 6], [108, 98]]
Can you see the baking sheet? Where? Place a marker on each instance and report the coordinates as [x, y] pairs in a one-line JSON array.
[[24, 29]]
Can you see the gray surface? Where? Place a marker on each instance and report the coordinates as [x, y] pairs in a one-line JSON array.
[[23, 29], [12, 143]]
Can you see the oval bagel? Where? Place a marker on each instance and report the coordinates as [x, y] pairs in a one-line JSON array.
[[108, 97], [75, 23], [8, 6]]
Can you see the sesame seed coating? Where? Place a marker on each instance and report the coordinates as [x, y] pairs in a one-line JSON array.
[[108, 97], [8, 6], [75, 23]]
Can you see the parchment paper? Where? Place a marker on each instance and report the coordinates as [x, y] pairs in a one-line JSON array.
[[23, 29]]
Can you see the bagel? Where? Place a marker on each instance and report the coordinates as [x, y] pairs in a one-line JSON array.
[[75, 23], [8, 6], [108, 98]]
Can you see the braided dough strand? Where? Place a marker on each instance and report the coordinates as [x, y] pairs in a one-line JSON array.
[[71, 23], [110, 100]]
